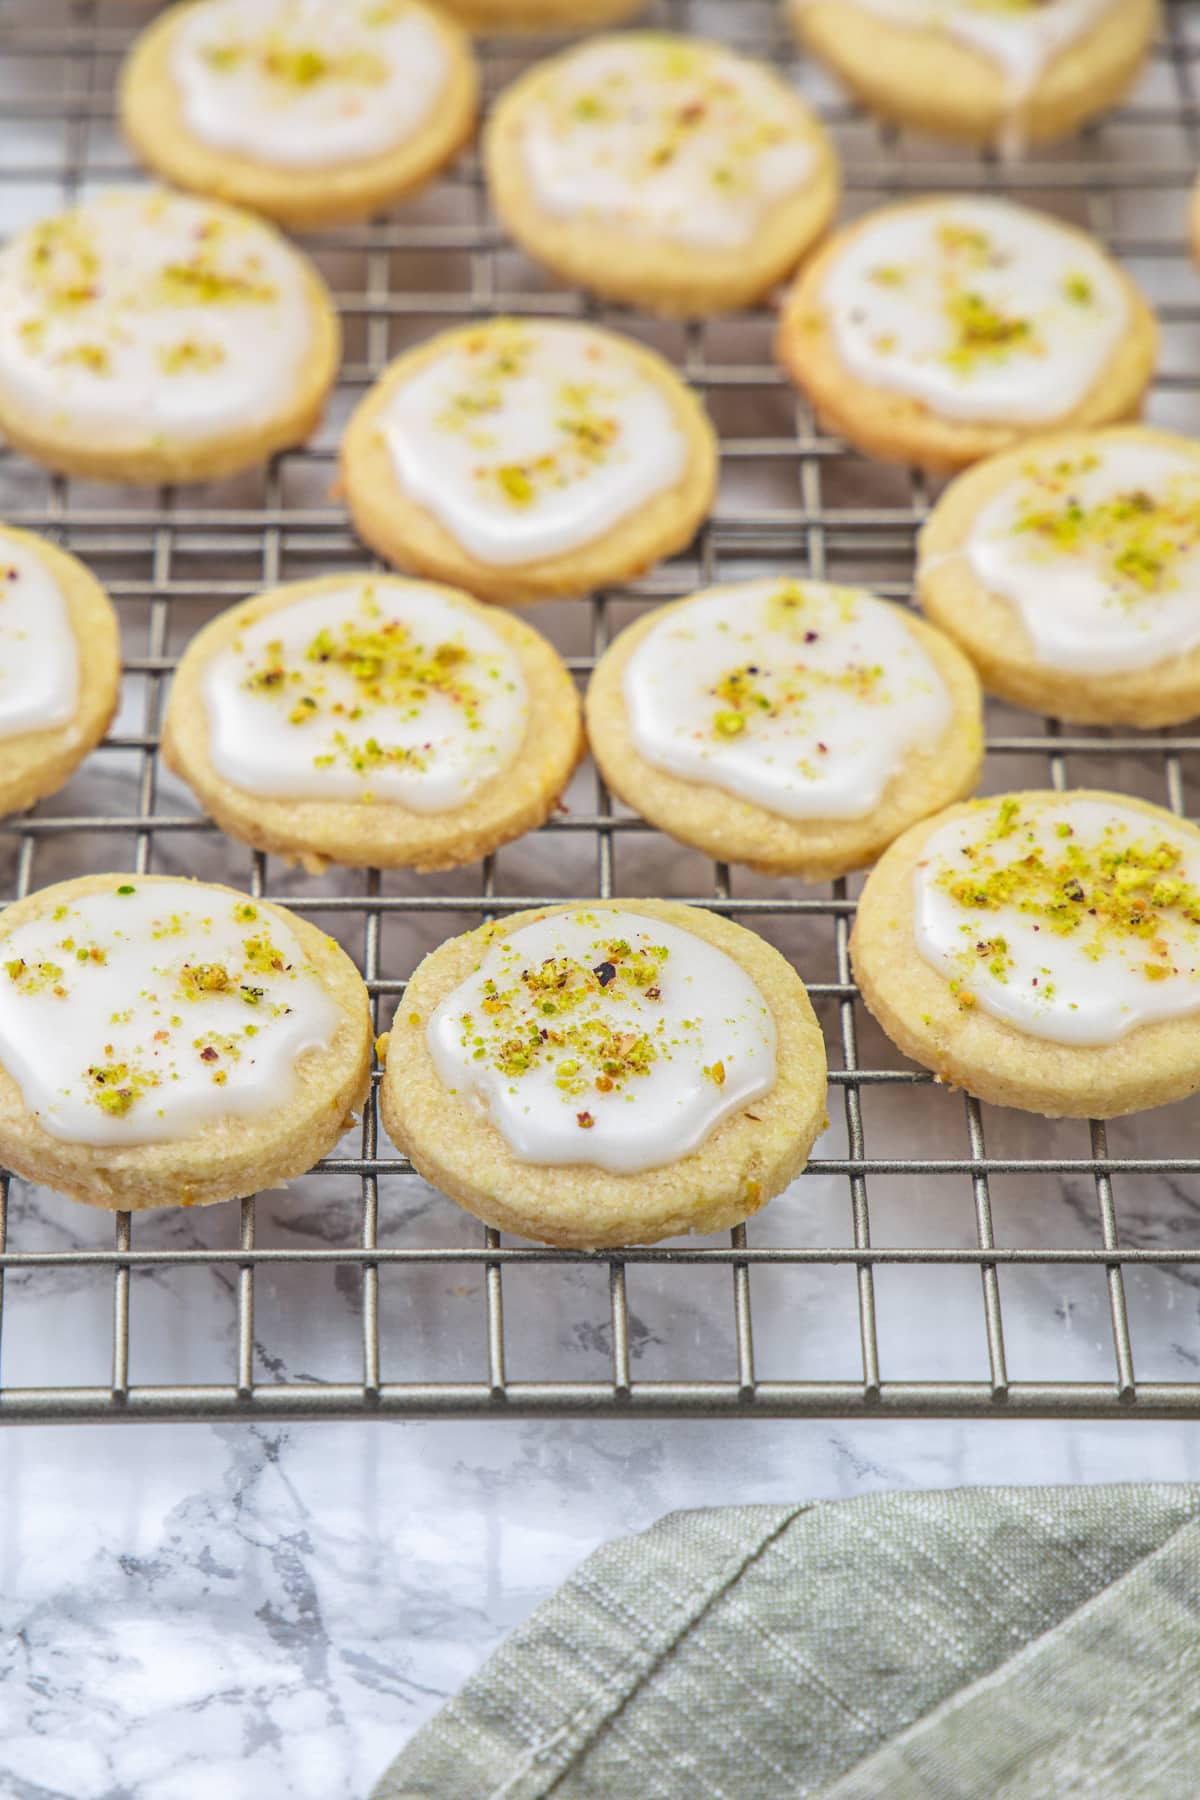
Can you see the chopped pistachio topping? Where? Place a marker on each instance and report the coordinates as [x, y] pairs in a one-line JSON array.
[[1134, 538]]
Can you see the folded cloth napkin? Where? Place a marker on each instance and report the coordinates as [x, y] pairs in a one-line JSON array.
[[993, 1644]]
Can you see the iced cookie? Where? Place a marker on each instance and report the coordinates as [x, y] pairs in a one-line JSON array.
[[941, 331], [164, 1042], [1069, 572], [987, 71], [606, 1073], [1041, 950], [60, 667], [149, 337], [664, 171], [541, 15], [307, 110], [366, 719], [790, 725], [524, 459]]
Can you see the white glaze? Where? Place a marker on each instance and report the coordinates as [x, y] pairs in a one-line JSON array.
[[438, 705], [1083, 614], [1022, 40], [1083, 986], [63, 1013], [307, 84], [711, 1032], [891, 297], [530, 440], [797, 696], [104, 327], [39, 653], [665, 139]]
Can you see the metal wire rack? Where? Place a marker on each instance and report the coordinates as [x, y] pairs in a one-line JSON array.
[[912, 1184]]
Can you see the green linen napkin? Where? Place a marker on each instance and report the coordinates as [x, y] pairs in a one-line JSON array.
[[993, 1644]]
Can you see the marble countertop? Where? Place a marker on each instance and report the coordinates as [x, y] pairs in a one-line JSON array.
[[241, 1612]]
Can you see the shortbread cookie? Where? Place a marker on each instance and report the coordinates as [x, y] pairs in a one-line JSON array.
[[1005, 72], [1041, 950], [1069, 572], [366, 719], [790, 725], [664, 171], [541, 15], [941, 331], [149, 337], [307, 110], [167, 1042], [60, 667], [610, 1072], [526, 459]]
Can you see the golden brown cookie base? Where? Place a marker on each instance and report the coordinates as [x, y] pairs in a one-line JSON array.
[[153, 120], [540, 15], [407, 535], [656, 274], [991, 631], [930, 81], [745, 1161], [37, 763], [732, 829], [894, 427], [966, 1047], [383, 834], [227, 1158]]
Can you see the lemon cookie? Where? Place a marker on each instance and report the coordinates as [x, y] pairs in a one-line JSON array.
[[541, 15], [1041, 950], [307, 110], [664, 171], [790, 725], [60, 667], [524, 459], [149, 337], [1069, 572], [167, 1042], [1021, 71], [606, 1073], [944, 330], [366, 719]]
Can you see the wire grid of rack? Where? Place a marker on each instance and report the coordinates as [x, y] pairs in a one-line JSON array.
[[791, 499]]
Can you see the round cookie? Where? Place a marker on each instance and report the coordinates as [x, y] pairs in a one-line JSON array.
[[60, 667], [941, 331], [372, 720], [166, 1042], [1069, 573], [540, 15], [310, 111], [606, 1073], [979, 72], [790, 725], [528, 459], [150, 337], [1041, 950], [662, 171]]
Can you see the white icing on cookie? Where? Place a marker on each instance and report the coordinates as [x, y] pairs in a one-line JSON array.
[[139, 1014], [1100, 555], [141, 313], [1022, 36], [39, 653], [796, 696], [378, 690], [1070, 918], [978, 308], [605, 1038], [530, 440], [665, 138], [308, 84]]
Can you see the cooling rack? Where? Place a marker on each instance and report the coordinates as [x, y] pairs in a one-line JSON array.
[[938, 1258]]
